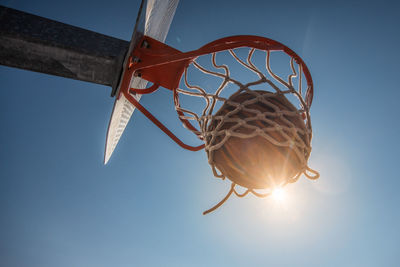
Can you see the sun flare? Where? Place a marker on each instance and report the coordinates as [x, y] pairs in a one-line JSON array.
[[279, 194]]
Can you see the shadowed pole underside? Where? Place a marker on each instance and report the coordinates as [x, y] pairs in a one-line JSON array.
[[39, 44]]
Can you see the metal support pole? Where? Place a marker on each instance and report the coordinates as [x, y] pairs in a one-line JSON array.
[[38, 44]]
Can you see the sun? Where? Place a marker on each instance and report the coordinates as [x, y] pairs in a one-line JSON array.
[[278, 194]]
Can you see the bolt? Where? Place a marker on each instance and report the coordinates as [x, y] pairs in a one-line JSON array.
[[135, 60], [145, 44]]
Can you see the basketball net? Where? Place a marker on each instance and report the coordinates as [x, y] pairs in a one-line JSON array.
[[215, 137]]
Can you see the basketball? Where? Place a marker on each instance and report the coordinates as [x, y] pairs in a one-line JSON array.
[[255, 162]]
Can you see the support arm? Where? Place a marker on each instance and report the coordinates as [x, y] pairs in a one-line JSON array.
[[38, 44]]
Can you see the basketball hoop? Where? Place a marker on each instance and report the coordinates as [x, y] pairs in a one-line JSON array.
[[274, 122]]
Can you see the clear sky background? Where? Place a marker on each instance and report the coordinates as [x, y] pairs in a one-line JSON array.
[[60, 206]]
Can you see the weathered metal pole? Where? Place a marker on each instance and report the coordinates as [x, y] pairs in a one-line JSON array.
[[38, 44]]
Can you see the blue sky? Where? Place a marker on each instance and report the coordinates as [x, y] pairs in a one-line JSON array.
[[60, 206]]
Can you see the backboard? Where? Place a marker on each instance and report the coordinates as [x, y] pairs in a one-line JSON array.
[[154, 19]]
